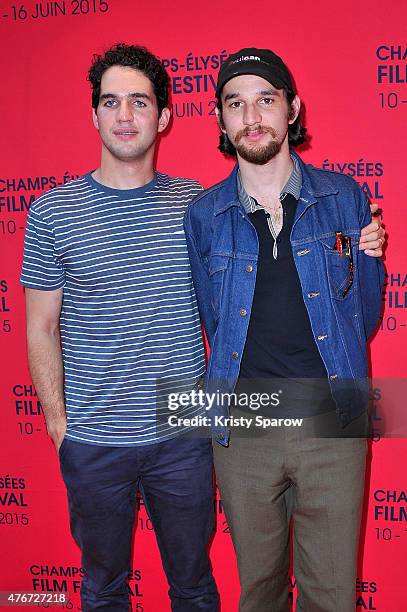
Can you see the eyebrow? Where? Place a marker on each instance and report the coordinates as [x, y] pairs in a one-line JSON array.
[[136, 94], [263, 92]]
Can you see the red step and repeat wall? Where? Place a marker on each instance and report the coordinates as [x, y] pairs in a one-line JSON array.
[[349, 60]]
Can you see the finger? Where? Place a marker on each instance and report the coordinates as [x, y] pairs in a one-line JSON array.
[[376, 235], [376, 211], [373, 252], [374, 226], [366, 240], [371, 244]]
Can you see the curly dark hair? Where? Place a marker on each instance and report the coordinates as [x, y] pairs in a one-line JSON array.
[[135, 57], [296, 131]]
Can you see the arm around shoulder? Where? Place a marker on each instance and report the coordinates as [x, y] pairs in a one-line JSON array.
[[371, 276], [200, 278]]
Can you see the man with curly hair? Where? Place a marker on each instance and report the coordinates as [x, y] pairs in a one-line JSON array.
[[106, 272]]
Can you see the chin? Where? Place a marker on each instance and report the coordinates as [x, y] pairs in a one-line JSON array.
[[259, 156]]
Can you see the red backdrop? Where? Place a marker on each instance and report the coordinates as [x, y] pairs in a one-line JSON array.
[[349, 61]]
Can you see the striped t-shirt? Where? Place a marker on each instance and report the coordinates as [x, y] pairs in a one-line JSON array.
[[129, 317]]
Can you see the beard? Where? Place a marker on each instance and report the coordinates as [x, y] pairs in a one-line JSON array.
[[260, 154]]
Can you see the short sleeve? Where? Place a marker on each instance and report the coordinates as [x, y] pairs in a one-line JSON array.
[[41, 268]]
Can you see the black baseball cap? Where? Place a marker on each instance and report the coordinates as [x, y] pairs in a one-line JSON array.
[[261, 62]]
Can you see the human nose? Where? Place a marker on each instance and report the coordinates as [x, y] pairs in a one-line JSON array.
[[125, 112], [251, 115]]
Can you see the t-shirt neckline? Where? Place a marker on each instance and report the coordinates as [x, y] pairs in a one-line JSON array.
[[135, 191]]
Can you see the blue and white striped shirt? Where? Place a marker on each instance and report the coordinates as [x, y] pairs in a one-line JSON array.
[[129, 317]]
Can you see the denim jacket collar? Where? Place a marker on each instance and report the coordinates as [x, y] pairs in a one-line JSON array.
[[313, 187]]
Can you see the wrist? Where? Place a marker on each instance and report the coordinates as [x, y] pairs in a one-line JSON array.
[[56, 429]]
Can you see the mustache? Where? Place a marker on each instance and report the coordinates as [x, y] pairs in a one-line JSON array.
[[264, 129]]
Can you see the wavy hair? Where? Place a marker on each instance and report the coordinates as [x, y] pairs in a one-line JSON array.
[[132, 56]]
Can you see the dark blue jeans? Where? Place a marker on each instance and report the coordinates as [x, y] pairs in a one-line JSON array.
[[176, 481]]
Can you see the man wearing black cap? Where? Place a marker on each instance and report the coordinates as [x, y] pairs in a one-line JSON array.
[[288, 299]]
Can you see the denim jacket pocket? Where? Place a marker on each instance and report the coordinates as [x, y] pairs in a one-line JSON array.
[[217, 268], [341, 275]]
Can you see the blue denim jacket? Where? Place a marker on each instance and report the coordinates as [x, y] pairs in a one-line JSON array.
[[223, 249]]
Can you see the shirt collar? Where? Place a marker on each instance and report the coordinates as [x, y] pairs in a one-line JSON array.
[[292, 186]]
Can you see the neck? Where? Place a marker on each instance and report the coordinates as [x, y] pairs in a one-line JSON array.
[[267, 179], [119, 174]]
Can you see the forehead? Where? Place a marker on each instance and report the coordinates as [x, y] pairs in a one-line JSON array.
[[123, 80], [248, 84]]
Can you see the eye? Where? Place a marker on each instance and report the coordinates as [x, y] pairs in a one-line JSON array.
[[267, 101], [139, 103], [235, 104], [110, 103]]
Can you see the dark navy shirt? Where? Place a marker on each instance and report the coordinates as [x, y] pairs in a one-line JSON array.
[[280, 351]]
